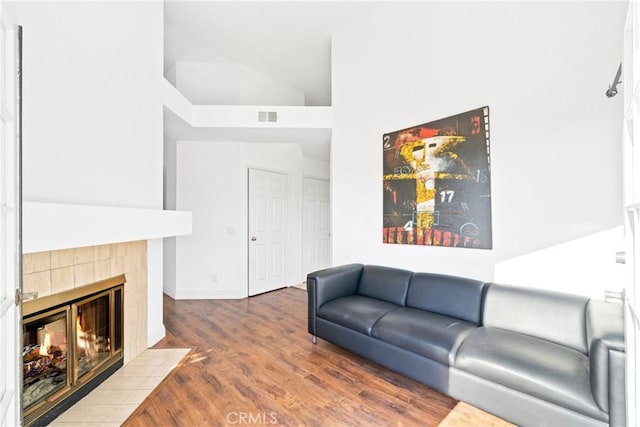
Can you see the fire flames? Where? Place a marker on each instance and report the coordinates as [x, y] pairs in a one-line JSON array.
[[53, 342], [50, 354], [46, 344], [85, 339]]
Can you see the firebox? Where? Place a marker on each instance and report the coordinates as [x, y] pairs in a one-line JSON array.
[[72, 341]]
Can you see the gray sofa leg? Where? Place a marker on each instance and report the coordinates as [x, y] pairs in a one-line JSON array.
[[314, 339]]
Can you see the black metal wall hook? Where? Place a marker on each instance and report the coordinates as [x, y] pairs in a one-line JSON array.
[[613, 88]]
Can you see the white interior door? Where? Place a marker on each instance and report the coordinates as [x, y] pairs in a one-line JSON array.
[[315, 225], [631, 169], [268, 245], [10, 252]]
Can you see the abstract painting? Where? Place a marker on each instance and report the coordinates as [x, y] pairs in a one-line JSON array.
[[437, 183]]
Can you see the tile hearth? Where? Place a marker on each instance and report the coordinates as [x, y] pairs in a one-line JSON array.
[[111, 403]]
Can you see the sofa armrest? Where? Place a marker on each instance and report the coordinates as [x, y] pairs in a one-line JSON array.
[[329, 284], [607, 356]]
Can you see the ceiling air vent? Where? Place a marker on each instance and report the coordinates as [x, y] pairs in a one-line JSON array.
[[268, 116]]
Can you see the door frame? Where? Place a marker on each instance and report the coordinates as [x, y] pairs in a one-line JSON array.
[[11, 220], [631, 208]]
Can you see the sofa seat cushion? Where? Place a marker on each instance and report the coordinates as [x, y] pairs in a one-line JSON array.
[[534, 366], [355, 312], [429, 334]]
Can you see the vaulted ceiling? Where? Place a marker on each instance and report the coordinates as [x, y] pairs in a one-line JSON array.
[[290, 41]]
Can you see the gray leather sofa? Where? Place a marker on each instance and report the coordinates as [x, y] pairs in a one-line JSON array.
[[529, 356]]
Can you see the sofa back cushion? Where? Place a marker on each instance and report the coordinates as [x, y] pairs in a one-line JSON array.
[[451, 296], [553, 316], [385, 283]]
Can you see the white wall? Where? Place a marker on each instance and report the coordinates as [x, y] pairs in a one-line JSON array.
[[226, 83], [315, 168], [169, 173], [92, 112], [585, 266], [541, 67], [210, 179], [169, 243], [170, 74], [212, 182], [92, 108], [155, 259]]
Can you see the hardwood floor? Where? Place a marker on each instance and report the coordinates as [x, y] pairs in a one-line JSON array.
[[253, 363]]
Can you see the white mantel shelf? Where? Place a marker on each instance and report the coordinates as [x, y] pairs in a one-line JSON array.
[[53, 226]]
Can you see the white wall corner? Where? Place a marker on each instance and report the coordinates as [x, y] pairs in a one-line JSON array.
[[155, 323]]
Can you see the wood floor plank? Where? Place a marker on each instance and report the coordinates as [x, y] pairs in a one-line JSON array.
[[253, 363]]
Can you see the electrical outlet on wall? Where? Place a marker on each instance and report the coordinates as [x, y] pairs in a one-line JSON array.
[[214, 278]]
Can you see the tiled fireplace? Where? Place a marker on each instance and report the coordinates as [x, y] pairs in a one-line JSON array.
[[83, 315], [53, 272]]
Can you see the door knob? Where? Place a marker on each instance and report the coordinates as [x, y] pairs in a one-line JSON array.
[[253, 238]]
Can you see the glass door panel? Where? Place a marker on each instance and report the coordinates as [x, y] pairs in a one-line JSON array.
[[93, 333]]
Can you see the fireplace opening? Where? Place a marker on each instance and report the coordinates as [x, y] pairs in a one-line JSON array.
[[44, 355], [72, 341]]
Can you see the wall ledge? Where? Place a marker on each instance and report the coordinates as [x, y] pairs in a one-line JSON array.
[[54, 226], [245, 116]]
